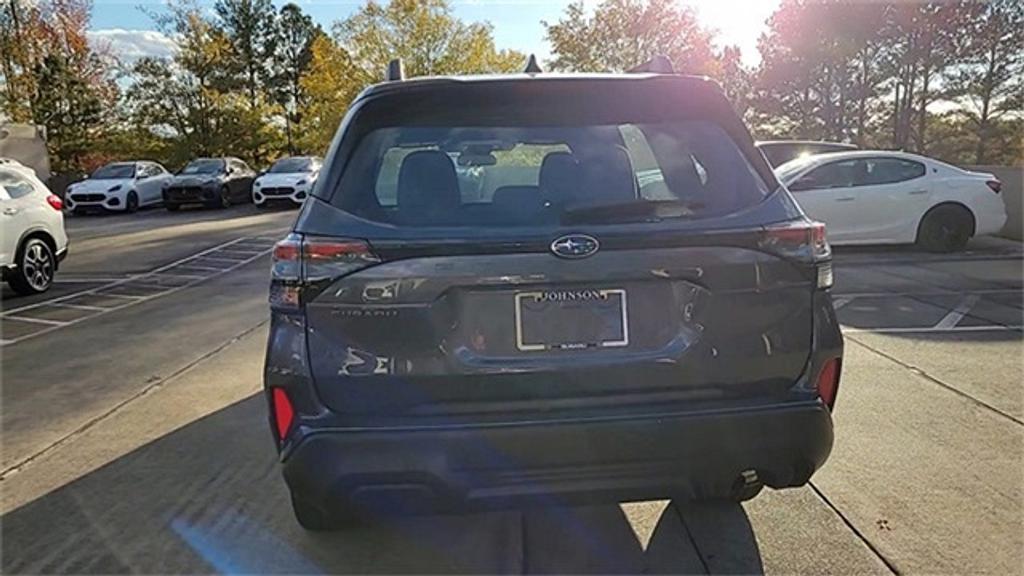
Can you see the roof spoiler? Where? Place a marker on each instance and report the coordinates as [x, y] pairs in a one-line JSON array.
[[658, 64], [395, 71]]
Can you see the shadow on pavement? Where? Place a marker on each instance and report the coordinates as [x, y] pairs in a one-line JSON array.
[[209, 498]]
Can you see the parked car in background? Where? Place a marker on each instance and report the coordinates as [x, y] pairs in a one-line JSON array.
[[480, 306], [212, 182], [119, 186], [877, 197], [778, 152], [288, 180], [32, 238]]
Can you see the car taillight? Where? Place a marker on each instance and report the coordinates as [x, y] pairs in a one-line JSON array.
[[828, 381], [284, 414], [301, 266], [55, 202], [801, 240], [995, 185]]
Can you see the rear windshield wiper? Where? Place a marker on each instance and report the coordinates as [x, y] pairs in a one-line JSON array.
[[634, 210]]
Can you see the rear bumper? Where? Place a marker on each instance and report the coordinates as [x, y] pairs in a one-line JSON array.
[[636, 458]]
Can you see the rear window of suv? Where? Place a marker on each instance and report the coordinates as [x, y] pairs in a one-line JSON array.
[[536, 175]]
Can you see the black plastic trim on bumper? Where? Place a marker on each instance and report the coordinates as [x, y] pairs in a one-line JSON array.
[[639, 458]]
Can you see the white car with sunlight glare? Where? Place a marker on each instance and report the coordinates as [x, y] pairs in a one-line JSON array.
[[119, 186], [878, 197], [290, 179]]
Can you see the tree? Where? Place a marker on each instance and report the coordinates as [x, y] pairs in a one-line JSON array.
[[624, 33], [330, 83], [989, 84], [250, 29], [52, 77], [184, 101], [293, 56], [426, 35]]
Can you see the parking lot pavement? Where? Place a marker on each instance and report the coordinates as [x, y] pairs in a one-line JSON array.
[[135, 438]]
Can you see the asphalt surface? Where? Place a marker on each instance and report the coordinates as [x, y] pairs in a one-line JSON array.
[[135, 440]]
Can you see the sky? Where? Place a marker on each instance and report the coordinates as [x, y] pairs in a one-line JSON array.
[[131, 34]]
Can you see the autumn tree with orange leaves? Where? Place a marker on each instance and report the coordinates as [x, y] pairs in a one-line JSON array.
[[52, 77]]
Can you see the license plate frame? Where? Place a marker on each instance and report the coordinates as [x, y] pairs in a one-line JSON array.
[[539, 346]]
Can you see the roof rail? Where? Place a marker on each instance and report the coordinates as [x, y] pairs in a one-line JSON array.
[[395, 71], [531, 66], [658, 64]]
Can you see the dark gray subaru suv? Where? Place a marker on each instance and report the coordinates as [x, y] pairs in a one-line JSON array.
[[547, 289]]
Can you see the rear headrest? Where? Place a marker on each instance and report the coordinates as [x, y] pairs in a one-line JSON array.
[[427, 181], [559, 177]]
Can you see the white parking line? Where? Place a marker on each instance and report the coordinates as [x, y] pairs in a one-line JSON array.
[[54, 325], [37, 320], [932, 329], [121, 281], [957, 314], [926, 294], [78, 306]]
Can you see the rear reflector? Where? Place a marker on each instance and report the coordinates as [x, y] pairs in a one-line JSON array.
[[995, 185], [55, 202], [828, 381], [283, 412]]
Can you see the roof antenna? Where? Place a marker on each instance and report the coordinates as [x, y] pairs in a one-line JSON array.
[[658, 64], [395, 71], [531, 66]]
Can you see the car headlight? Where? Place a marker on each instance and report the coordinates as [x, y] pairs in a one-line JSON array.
[[257, 183], [300, 182], [210, 181], [114, 188]]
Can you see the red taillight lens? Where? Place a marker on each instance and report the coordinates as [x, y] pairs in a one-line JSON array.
[[301, 262], [284, 415], [55, 202], [801, 240], [828, 381], [995, 185]]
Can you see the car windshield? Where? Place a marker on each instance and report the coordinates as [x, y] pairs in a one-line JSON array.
[[204, 166], [530, 175], [114, 172], [292, 165]]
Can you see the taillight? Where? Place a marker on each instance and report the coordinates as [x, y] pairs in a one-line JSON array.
[[55, 202], [284, 414], [828, 381], [801, 240], [302, 264], [995, 185]]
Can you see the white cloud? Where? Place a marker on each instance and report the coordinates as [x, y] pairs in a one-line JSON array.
[[129, 45]]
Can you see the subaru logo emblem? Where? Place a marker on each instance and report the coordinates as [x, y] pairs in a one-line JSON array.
[[575, 246]]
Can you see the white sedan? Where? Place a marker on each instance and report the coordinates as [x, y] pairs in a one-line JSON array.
[[290, 179], [876, 197], [32, 238], [120, 186]]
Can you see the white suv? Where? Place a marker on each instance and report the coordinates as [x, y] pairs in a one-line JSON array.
[[32, 238]]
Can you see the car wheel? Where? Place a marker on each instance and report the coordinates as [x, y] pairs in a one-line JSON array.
[[316, 520], [225, 197], [945, 228], [36, 267], [131, 203], [171, 207]]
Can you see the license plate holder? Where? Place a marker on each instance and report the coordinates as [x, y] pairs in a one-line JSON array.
[[547, 320]]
